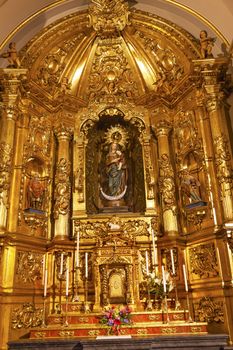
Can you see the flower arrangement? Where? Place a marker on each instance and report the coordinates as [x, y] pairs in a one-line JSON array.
[[115, 318], [156, 284]]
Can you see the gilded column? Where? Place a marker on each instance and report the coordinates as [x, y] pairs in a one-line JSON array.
[[214, 73], [166, 179], [149, 175], [62, 183], [205, 128], [10, 80]]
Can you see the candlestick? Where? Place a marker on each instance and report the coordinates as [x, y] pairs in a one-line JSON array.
[[164, 280], [155, 255], [86, 265], [172, 261], [185, 278], [61, 266], [77, 250], [147, 263], [45, 282]]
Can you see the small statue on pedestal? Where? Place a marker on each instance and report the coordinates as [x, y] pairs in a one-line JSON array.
[[12, 56], [207, 44]]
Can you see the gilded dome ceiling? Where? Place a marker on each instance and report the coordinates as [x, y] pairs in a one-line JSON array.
[[136, 56]]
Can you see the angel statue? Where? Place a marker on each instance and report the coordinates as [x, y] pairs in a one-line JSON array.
[[207, 44], [11, 56]]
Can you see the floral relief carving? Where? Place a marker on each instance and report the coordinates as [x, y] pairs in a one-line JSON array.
[[39, 138], [108, 17], [222, 161], [131, 228], [5, 171], [208, 310], [28, 316], [166, 182], [150, 179], [79, 177], [111, 79], [62, 188], [29, 267], [203, 261]]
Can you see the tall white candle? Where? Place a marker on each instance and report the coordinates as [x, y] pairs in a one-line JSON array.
[[147, 263], [155, 255], [185, 278], [45, 282], [67, 278], [172, 261], [220, 267], [77, 250], [43, 268], [164, 280], [86, 265], [61, 266]]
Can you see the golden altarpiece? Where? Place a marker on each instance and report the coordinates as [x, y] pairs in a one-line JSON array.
[[115, 142]]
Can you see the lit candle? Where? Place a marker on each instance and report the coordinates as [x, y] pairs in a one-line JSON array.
[[164, 280], [185, 278], [86, 265], [147, 263], [61, 266], [67, 278], [45, 282], [154, 248], [77, 251], [172, 260]]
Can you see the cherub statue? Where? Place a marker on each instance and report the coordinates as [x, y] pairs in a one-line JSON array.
[[207, 44], [11, 56]]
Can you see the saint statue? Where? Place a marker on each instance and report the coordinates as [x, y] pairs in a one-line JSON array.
[[115, 173], [35, 193], [190, 186]]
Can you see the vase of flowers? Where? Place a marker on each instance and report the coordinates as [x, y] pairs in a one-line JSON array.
[[156, 287], [115, 317]]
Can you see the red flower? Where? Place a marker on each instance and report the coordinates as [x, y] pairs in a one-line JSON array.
[[117, 322]]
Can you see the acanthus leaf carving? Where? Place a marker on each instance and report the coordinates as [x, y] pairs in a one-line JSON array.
[[28, 316], [203, 261], [62, 188]]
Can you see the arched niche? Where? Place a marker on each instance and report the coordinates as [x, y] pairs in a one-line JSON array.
[[101, 136], [35, 185]]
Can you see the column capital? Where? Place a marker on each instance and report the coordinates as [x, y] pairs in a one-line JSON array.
[[63, 132], [162, 128], [11, 79]]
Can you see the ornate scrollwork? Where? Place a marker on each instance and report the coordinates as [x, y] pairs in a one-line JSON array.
[[131, 228], [111, 79], [196, 216], [39, 138], [208, 310], [28, 316], [5, 171], [29, 267], [62, 189], [222, 161], [79, 176], [108, 17], [203, 261], [166, 183], [150, 179]]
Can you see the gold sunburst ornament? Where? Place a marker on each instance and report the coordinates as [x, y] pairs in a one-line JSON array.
[[117, 134]]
